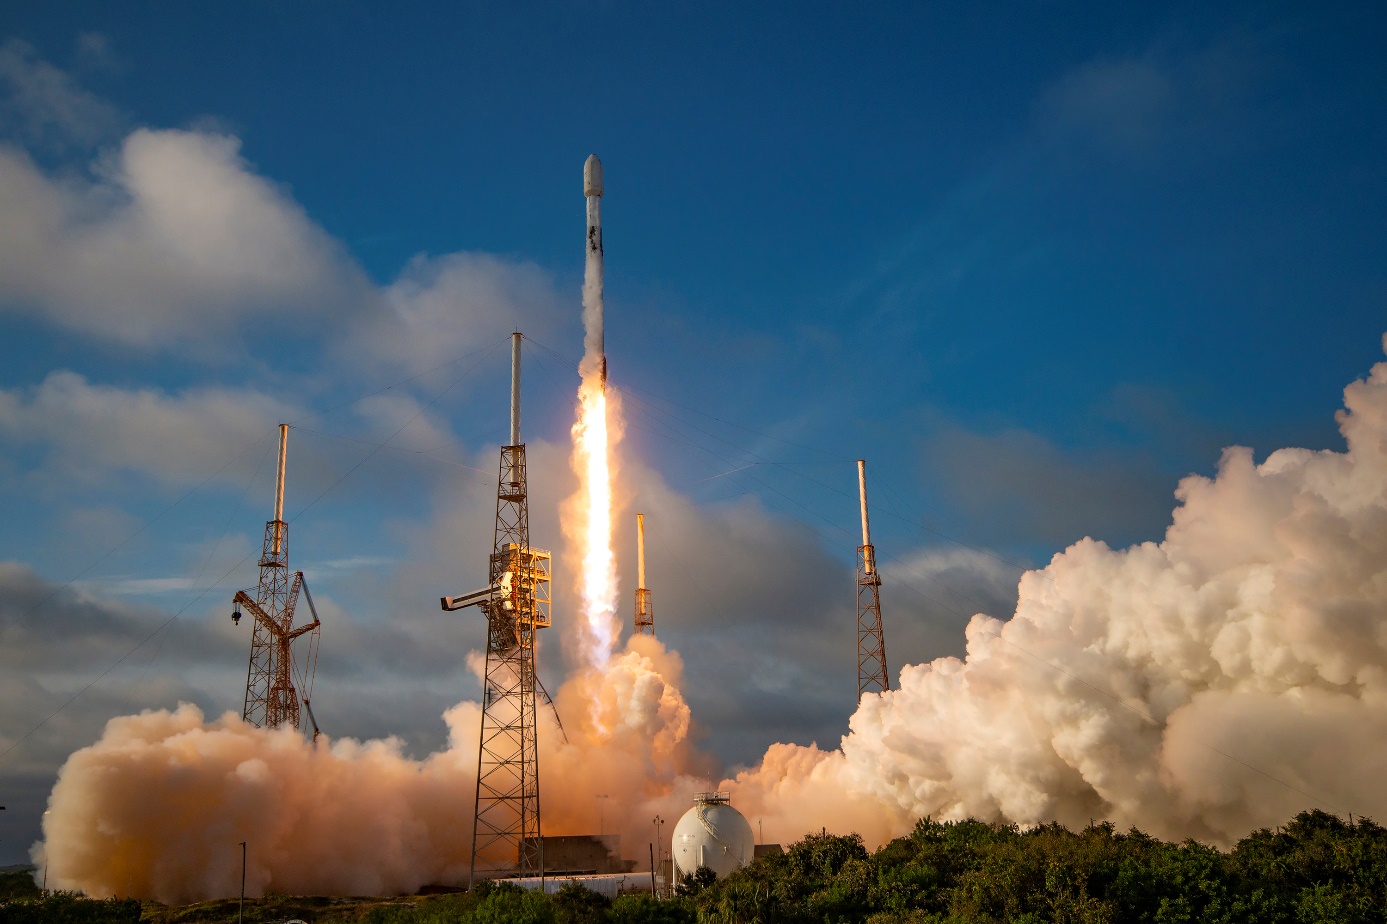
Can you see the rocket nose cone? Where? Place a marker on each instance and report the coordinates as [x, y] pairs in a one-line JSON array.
[[592, 176]]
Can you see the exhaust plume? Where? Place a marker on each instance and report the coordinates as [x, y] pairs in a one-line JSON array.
[[158, 806], [1202, 686]]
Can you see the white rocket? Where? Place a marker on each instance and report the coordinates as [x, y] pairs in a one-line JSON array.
[[594, 348]]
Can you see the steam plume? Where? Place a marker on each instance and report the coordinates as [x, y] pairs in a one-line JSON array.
[[1201, 686], [159, 805]]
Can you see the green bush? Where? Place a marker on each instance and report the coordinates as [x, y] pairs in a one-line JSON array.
[[1315, 870], [66, 908], [19, 884]]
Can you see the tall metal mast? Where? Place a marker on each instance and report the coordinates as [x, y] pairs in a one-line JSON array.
[[871, 642], [272, 700], [645, 614], [506, 834]]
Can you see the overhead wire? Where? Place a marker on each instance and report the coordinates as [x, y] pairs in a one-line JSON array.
[[998, 634], [123, 658], [646, 407], [628, 390], [8, 621], [245, 492], [142, 527]]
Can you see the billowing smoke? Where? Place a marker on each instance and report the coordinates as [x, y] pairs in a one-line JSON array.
[[159, 805], [1201, 686]]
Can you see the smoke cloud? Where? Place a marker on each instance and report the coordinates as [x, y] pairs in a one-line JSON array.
[[159, 805], [1201, 686]]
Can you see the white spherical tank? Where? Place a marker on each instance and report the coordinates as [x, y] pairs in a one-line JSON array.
[[711, 834]]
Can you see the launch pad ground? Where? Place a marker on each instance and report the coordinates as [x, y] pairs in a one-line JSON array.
[[281, 908]]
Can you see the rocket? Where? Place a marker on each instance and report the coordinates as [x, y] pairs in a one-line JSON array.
[[594, 347]]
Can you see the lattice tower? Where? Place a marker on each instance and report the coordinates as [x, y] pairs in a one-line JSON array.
[[272, 699], [871, 641], [506, 837]]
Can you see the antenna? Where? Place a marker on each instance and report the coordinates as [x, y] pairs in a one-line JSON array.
[[279, 486], [515, 389], [645, 614], [871, 642]]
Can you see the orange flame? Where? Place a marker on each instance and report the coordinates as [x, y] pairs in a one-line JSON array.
[[592, 461]]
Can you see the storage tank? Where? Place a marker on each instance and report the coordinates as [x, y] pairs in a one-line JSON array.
[[711, 834]]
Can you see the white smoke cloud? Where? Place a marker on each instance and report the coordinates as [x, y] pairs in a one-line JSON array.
[[1200, 687]]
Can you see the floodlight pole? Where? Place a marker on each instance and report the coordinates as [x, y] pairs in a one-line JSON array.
[[240, 911]]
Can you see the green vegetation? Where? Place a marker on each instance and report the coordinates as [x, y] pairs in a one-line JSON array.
[[66, 908], [1315, 870]]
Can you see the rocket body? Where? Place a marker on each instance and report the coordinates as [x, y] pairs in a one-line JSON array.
[[594, 346]]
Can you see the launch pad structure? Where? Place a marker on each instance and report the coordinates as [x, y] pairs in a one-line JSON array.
[[506, 837], [272, 699], [871, 641]]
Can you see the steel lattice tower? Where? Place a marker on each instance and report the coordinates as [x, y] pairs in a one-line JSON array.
[[871, 641], [272, 700], [506, 835], [645, 613]]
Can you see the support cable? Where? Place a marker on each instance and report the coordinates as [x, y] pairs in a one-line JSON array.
[[234, 567], [245, 492], [6, 623], [998, 634], [632, 392]]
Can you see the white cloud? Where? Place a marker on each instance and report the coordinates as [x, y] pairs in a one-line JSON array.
[[44, 104], [440, 308], [88, 431], [174, 241], [1123, 104]]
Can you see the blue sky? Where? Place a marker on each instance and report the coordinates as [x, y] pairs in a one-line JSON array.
[[1035, 262]]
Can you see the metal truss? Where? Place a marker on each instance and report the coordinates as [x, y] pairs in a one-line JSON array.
[[506, 836], [645, 613], [272, 700], [871, 642]]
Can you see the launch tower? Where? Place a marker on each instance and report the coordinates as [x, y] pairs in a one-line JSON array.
[[871, 642], [272, 700], [506, 837], [645, 615]]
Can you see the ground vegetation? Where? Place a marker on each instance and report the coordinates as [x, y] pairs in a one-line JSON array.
[[1316, 869]]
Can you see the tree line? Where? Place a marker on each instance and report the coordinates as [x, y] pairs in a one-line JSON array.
[[1317, 868]]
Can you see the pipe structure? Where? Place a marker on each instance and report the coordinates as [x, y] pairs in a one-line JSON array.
[[640, 550], [862, 492], [515, 389], [279, 486]]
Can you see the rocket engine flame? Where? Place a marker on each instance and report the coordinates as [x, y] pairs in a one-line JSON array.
[[597, 574]]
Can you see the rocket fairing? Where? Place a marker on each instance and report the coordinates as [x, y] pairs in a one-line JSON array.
[[594, 346]]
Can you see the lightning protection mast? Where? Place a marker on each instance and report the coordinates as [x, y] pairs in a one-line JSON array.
[[506, 834], [871, 642], [272, 699], [645, 614]]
